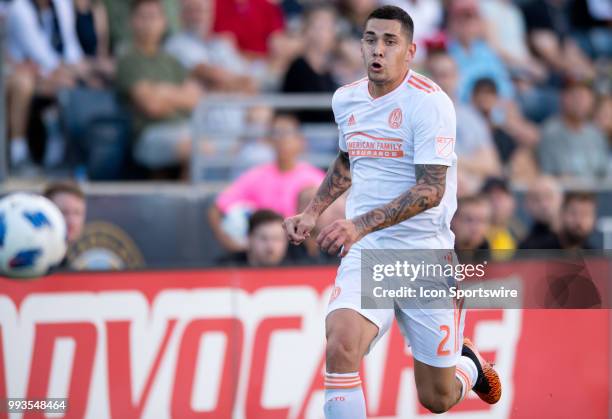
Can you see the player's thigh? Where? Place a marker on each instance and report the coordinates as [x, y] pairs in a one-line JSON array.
[[435, 336], [349, 335]]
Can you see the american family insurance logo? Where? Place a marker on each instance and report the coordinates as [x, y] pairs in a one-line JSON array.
[[363, 145]]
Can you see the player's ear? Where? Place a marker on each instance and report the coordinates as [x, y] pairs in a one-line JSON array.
[[411, 52]]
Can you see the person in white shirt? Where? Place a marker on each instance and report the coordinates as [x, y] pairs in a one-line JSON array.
[[45, 54], [397, 134]]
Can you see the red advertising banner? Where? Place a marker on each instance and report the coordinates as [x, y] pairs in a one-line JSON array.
[[250, 344]]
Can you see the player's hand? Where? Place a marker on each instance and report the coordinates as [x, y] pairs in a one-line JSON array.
[[339, 234], [298, 227]]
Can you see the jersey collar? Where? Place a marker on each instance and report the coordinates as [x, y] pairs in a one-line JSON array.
[[392, 92]]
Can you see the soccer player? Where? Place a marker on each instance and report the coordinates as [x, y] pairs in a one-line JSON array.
[[396, 136]]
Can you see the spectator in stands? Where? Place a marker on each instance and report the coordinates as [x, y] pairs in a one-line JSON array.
[[253, 23], [255, 147], [20, 87], [550, 35], [603, 117], [506, 32], [267, 242], [571, 145], [93, 35], [258, 28], [474, 57], [218, 65], [471, 223], [274, 186], [543, 203], [159, 91], [311, 71], [43, 32], [591, 21], [505, 230], [428, 17], [354, 14], [43, 45], [119, 21], [348, 62], [514, 136], [212, 59], [578, 216], [70, 200], [478, 158], [507, 35]]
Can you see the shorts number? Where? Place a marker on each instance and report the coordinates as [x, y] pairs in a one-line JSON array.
[[441, 350]]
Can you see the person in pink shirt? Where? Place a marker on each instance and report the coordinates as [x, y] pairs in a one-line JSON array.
[[275, 186]]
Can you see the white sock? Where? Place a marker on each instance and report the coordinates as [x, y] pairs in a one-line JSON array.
[[344, 396], [19, 150], [467, 373]]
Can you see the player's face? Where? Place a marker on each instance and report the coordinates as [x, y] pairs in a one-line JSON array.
[[267, 245], [386, 50]]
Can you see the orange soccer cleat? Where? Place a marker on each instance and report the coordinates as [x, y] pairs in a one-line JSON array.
[[488, 385]]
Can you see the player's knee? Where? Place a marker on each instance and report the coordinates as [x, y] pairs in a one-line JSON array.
[[437, 401], [341, 355]]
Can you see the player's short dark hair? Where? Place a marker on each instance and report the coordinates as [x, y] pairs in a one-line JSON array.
[[261, 217], [63, 186], [135, 4], [578, 196], [394, 13]]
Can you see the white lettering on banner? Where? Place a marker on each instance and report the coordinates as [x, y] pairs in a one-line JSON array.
[[132, 358]]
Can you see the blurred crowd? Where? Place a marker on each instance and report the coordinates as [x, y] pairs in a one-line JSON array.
[[531, 79], [108, 89], [485, 222]]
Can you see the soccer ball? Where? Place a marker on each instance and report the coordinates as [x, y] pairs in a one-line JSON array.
[[32, 235]]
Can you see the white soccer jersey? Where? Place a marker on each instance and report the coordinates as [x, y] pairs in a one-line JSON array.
[[385, 138]]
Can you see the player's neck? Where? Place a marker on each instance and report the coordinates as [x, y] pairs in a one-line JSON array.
[[380, 89]]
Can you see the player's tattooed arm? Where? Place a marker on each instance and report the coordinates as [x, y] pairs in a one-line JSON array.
[[426, 194], [336, 182]]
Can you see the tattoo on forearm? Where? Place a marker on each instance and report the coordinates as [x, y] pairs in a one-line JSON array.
[[427, 193], [336, 182]]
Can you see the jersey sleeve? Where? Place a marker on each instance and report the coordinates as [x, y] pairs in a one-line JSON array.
[[341, 140], [335, 109], [435, 131]]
